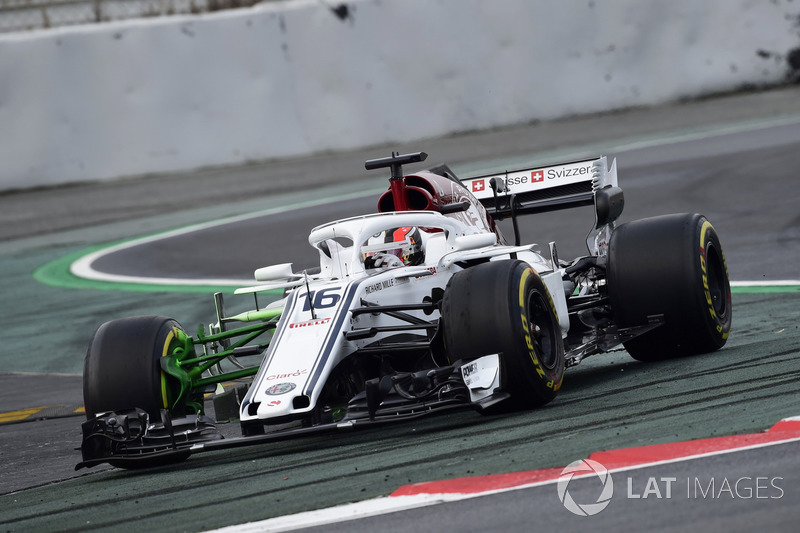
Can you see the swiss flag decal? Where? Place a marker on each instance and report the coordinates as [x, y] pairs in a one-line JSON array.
[[537, 175], [478, 185]]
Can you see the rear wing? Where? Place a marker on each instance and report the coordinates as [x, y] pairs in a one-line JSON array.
[[542, 189], [556, 187]]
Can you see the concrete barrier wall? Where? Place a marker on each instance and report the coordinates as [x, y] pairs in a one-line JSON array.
[[290, 78]]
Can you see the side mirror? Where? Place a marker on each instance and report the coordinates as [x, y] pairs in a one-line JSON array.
[[275, 272], [472, 242]]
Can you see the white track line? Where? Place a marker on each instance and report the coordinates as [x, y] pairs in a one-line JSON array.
[[776, 283], [82, 267]]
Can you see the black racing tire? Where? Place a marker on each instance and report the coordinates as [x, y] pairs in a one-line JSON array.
[[505, 307], [122, 367], [670, 265]]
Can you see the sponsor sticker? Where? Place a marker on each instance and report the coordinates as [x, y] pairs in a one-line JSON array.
[[296, 373], [280, 388], [432, 271], [308, 323], [575, 172], [533, 179], [481, 373], [385, 284], [468, 371]]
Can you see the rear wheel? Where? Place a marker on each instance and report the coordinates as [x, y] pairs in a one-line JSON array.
[[670, 266], [505, 307], [122, 369]]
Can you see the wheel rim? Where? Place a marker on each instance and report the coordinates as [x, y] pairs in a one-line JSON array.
[[543, 331], [717, 286]]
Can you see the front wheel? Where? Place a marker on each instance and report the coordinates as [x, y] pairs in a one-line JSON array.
[[670, 267], [505, 307], [122, 369]]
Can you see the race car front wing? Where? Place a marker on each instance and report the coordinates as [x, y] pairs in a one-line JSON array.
[[130, 439]]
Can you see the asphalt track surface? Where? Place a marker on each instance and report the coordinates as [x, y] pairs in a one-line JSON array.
[[744, 180]]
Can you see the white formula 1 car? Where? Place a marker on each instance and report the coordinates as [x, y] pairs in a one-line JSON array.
[[421, 307]]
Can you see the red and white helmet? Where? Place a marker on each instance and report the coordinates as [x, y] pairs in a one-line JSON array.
[[411, 253], [400, 247]]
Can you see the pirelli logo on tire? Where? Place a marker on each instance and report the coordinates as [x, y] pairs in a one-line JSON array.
[[552, 381], [711, 257], [526, 323], [704, 270]]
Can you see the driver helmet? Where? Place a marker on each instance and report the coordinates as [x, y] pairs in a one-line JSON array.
[[403, 247], [411, 254]]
